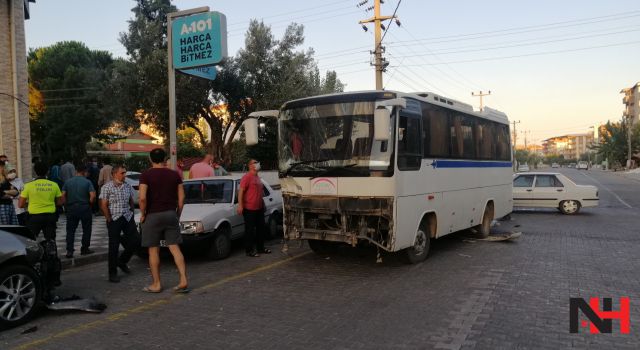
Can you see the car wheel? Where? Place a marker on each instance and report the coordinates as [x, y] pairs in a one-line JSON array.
[[20, 292], [322, 247], [484, 229], [569, 207], [220, 245], [274, 220]]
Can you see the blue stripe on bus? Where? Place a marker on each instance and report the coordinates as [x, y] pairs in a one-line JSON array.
[[469, 164]]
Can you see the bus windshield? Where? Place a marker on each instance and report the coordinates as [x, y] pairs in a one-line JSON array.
[[332, 140]]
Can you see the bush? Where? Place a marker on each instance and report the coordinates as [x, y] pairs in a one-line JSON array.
[[137, 163]]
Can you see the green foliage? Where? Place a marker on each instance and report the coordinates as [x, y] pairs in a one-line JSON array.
[[614, 144], [137, 163], [238, 153], [72, 80], [187, 146]]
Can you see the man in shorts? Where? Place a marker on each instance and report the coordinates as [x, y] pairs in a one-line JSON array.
[[161, 198]]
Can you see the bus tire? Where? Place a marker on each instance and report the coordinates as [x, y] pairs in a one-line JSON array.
[[484, 229], [420, 249]]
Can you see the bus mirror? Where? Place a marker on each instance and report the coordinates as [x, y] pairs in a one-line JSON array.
[[381, 120], [251, 131]]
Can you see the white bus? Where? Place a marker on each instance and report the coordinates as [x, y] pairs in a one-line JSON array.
[[388, 168]]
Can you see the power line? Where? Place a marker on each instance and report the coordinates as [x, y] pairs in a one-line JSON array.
[[536, 54], [296, 11], [519, 30]]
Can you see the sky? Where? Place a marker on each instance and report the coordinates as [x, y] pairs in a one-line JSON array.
[[557, 67]]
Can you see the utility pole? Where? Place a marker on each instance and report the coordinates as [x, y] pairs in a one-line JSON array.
[[515, 134], [380, 63], [481, 95], [629, 127]]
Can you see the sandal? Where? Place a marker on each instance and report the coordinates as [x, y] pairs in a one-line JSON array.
[[253, 254], [266, 251], [181, 290], [149, 290]]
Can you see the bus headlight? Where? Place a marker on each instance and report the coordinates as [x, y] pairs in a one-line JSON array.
[[191, 227]]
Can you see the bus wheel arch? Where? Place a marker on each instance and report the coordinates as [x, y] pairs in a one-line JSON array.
[[487, 217], [422, 243]]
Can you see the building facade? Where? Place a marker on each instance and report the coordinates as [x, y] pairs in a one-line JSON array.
[[15, 134], [569, 146], [631, 101]]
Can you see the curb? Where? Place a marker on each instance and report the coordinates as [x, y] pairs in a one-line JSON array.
[[82, 260]]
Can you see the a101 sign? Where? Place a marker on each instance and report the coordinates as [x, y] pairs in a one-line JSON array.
[[199, 40]]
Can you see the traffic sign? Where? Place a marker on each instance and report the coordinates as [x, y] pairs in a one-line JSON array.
[[199, 40], [202, 72]]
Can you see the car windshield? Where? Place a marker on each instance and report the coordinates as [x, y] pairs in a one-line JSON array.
[[330, 137], [208, 191]]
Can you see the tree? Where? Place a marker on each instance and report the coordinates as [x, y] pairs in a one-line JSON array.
[[613, 144], [263, 75], [67, 81]]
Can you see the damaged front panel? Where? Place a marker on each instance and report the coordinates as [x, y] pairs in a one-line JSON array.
[[340, 219]]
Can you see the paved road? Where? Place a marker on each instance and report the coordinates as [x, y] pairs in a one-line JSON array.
[[468, 295]]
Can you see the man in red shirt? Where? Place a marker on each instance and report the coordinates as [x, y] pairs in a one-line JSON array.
[[202, 169], [251, 207], [161, 201]]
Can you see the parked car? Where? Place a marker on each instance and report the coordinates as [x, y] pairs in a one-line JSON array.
[[582, 165], [552, 190], [22, 285], [133, 179], [209, 216], [523, 167], [555, 165], [571, 165]]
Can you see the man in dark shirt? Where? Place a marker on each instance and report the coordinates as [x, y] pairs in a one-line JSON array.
[[161, 198], [79, 195]]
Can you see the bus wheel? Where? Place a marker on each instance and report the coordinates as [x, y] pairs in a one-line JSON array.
[[420, 249], [485, 227]]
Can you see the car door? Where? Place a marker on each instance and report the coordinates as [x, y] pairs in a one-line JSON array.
[[236, 220], [268, 198], [548, 191], [522, 190]]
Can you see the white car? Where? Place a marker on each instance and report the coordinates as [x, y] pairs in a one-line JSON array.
[[582, 165], [552, 190], [209, 216], [133, 179], [523, 167], [555, 165]]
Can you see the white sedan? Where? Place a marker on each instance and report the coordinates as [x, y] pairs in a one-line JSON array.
[[210, 218], [552, 190]]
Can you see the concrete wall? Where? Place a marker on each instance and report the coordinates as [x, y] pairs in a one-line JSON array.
[[9, 141]]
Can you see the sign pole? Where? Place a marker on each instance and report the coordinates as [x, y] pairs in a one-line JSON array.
[[173, 139]]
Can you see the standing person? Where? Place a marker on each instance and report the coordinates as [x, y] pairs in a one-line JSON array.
[[105, 173], [251, 207], [54, 173], [43, 196], [78, 194], [161, 201], [67, 171], [180, 168], [7, 192], [116, 202], [18, 184], [202, 169], [92, 173]]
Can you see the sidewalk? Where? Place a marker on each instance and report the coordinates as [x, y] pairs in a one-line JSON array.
[[99, 243]]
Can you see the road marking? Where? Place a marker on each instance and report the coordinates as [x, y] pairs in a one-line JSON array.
[[608, 190], [153, 304]]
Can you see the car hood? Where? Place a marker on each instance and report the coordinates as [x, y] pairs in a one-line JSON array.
[[200, 211]]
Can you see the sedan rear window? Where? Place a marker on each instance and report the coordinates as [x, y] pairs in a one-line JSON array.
[[208, 191]]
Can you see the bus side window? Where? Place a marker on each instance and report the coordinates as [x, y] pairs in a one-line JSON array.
[[409, 143]]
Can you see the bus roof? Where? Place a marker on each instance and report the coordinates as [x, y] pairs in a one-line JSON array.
[[430, 97]]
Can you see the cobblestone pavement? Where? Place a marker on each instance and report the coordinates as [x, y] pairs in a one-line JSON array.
[[469, 294]]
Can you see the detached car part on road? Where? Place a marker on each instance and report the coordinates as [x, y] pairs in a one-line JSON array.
[[210, 218], [552, 190]]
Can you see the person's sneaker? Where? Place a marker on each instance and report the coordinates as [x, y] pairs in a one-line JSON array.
[[114, 279], [86, 251], [69, 255], [124, 267]]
